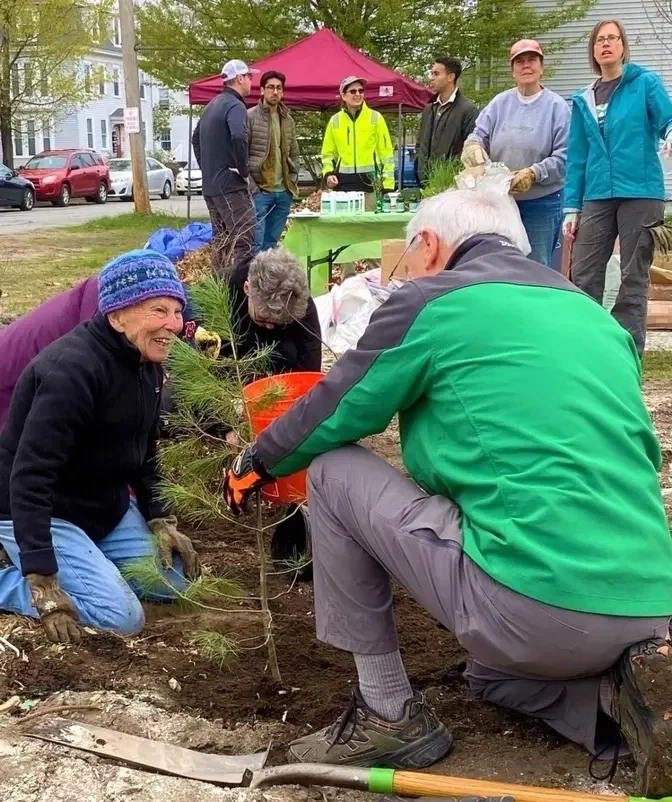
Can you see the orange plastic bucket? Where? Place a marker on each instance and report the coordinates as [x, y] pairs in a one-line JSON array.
[[291, 387]]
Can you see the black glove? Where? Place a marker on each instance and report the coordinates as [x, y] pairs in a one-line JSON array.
[[242, 479]]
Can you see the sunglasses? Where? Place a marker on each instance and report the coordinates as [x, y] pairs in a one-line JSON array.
[[355, 92]]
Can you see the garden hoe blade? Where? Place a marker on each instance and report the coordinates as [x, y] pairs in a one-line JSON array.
[[234, 770]]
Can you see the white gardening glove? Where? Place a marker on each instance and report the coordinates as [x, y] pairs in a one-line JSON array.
[[667, 145], [570, 225]]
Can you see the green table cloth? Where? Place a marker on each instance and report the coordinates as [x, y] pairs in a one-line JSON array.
[[312, 238]]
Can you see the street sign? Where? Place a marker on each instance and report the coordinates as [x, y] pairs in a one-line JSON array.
[[132, 120]]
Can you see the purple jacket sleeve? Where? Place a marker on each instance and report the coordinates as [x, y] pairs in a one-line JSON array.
[[25, 338]]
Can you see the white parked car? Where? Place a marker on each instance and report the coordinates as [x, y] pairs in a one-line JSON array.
[[182, 184], [160, 179]]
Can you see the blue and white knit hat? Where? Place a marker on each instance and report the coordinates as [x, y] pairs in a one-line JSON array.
[[136, 276]]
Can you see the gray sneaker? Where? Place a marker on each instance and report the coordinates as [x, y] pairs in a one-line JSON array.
[[643, 711], [362, 738]]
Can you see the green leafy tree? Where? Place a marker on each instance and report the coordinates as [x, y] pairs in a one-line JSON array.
[[181, 40], [42, 46]]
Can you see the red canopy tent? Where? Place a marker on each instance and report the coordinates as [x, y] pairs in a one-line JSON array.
[[315, 66]]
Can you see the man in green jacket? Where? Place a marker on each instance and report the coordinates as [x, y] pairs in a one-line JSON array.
[[274, 160], [532, 525]]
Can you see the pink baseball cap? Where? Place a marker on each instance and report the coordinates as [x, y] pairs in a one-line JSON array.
[[526, 46]]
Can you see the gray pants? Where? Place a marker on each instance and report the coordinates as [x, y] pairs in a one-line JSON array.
[[233, 226], [370, 523], [601, 222]]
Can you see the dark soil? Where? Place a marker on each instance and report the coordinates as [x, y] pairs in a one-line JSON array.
[[490, 743]]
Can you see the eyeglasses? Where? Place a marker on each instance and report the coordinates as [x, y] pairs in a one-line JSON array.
[[608, 40], [355, 92], [272, 88]]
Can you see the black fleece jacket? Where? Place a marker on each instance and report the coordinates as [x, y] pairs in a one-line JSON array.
[[296, 347], [81, 429], [220, 144]]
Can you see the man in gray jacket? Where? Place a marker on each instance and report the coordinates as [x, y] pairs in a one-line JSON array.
[[274, 160], [447, 121]]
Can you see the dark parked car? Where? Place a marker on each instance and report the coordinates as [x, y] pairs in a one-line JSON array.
[[59, 175], [15, 191]]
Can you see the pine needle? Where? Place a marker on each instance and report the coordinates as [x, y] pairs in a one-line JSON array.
[[275, 393], [219, 649], [212, 300], [208, 589], [146, 576]]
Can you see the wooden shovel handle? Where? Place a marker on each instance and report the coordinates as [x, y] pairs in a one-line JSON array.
[[411, 783]]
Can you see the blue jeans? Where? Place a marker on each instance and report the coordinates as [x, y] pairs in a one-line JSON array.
[[89, 573], [272, 209], [542, 218]]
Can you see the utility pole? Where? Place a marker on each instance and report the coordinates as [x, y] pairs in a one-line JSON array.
[[133, 122]]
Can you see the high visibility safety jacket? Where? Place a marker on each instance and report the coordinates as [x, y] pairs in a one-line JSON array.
[[353, 147]]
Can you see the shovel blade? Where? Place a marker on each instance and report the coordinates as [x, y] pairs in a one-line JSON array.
[[143, 753]]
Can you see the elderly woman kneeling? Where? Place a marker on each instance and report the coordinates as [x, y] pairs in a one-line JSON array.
[[80, 436]]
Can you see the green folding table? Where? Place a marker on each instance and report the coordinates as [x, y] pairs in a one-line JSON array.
[[328, 239]]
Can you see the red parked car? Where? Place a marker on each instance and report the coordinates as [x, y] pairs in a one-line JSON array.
[[59, 175]]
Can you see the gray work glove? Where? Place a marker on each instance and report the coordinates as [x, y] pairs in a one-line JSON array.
[[55, 608], [169, 539]]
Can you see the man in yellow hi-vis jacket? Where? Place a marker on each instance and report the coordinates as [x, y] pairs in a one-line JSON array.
[[355, 141]]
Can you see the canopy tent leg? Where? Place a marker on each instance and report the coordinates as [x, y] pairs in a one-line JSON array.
[[191, 124], [400, 146]]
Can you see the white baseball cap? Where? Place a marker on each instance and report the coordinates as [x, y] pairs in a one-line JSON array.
[[232, 69]]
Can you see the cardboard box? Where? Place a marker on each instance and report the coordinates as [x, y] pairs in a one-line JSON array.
[[659, 315], [660, 292], [391, 257]]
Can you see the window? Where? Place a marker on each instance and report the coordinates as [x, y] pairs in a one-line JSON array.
[[5, 173], [89, 132], [164, 137], [88, 159], [103, 134], [164, 98], [101, 79], [141, 79], [44, 82], [144, 133], [28, 78], [115, 81], [18, 139], [87, 78], [46, 136], [116, 32], [76, 162], [30, 125], [16, 87]]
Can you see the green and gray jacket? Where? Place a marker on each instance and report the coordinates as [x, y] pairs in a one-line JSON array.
[[262, 164], [519, 398]]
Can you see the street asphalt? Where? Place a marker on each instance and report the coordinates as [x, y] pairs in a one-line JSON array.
[[79, 211]]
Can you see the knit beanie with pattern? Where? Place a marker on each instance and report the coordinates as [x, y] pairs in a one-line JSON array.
[[136, 276]]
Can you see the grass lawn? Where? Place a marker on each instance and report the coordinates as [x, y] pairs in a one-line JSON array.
[[658, 365], [34, 267]]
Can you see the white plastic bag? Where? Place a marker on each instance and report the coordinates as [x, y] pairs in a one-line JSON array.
[[346, 314], [496, 179]]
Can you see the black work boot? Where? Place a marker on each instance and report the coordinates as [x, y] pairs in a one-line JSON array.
[[362, 738], [642, 707]]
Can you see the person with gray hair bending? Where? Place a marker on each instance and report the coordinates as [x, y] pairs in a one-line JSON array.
[[272, 306], [529, 520]]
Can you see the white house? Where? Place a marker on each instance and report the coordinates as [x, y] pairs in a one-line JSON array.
[[100, 124]]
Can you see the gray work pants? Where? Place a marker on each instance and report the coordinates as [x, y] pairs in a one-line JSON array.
[[233, 227], [370, 523], [600, 223]]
